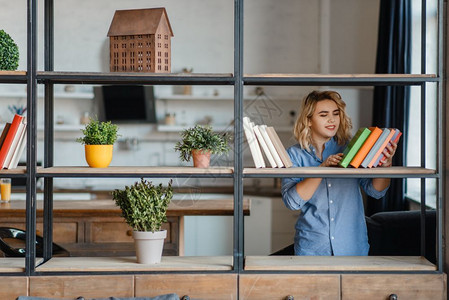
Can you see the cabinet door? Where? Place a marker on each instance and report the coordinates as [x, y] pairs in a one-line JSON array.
[[13, 287], [279, 286], [404, 286], [201, 286]]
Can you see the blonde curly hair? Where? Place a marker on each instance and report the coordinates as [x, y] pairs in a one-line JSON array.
[[302, 130]]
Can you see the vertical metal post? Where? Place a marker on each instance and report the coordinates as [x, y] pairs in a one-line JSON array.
[[238, 141], [30, 257], [423, 125], [440, 126], [48, 126]]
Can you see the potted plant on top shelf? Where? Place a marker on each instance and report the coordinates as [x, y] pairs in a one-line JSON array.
[[144, 208], [99, 138], [199, 142], [9, 52]]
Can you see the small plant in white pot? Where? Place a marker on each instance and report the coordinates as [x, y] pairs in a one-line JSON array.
[[144, 208], [199, 142]]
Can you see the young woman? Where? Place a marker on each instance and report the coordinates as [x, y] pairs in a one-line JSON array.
[[332, 219]]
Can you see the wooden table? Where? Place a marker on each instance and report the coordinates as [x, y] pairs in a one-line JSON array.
[[96, 228]]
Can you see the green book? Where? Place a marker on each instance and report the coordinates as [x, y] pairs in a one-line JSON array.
[[354, 146]]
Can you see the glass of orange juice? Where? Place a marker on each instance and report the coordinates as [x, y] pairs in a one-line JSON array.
[[5, 189]]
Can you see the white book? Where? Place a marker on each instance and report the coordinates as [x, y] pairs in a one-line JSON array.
[[253, 144], [264, 146], [274, 153], [20, 148], [15, 142], [279, 147]]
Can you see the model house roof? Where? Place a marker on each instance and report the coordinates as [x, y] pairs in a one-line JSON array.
[[138, 21]]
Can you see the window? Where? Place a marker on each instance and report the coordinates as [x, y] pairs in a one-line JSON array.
[[413, 153]]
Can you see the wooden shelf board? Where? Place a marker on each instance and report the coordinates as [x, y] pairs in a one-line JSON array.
[[136, 77], [16, 171], [339, 79], [18, 73], [338, 263], [129, 264], [135, 170], [14, 264], [325, 171], [293, 75]]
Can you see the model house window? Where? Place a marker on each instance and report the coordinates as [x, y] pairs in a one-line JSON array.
[[413, 153]]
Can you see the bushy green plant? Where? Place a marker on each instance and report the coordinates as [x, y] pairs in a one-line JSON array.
[[99, 133], [9, 52], [144, 205], [201, 137]]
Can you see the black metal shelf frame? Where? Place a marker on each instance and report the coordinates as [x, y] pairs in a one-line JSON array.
[[48, 78]]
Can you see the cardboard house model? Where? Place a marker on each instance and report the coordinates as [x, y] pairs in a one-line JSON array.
[[139, 41]]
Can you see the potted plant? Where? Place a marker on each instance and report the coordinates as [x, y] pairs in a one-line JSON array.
[[144, 208], [99, 138], [9, 52], [200, 142]]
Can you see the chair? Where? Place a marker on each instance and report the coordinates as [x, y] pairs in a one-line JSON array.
[[12, 234]]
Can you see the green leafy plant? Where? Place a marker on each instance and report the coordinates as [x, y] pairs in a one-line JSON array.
[[144, 205], [9, 52], [201, 137], [99, 133]]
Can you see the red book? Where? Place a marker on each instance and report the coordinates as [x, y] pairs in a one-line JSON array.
[[10, 137]]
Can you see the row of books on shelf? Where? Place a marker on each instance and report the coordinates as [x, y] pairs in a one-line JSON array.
[[12, 142], [367, 146], [263, 138]]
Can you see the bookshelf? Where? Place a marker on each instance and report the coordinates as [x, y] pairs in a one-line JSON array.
[[249, 268]]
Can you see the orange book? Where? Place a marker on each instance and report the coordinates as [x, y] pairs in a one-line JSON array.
[[10, 137], [366, 147]]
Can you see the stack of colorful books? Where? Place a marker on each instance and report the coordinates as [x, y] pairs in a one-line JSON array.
[[12, 142], [367, 146]]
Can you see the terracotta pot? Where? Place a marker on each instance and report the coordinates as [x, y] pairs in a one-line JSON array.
[[201, 158], [149, 246], [98, 156]]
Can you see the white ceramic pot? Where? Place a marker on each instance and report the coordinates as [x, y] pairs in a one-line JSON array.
[[149, 246]]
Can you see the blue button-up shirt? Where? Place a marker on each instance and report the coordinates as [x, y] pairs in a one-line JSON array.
[[332, 222]]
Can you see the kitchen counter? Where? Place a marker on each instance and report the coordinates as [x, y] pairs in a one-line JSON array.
[[96, 228]]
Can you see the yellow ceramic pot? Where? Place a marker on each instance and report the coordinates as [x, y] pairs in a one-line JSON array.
[[98, 156]]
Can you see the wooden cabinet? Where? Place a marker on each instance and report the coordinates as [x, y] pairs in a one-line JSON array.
[[280, 286], [342, 286], [196, 286], [404, 286]]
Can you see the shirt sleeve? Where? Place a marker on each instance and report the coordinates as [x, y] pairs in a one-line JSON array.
[[290, 196], [367, 185]]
